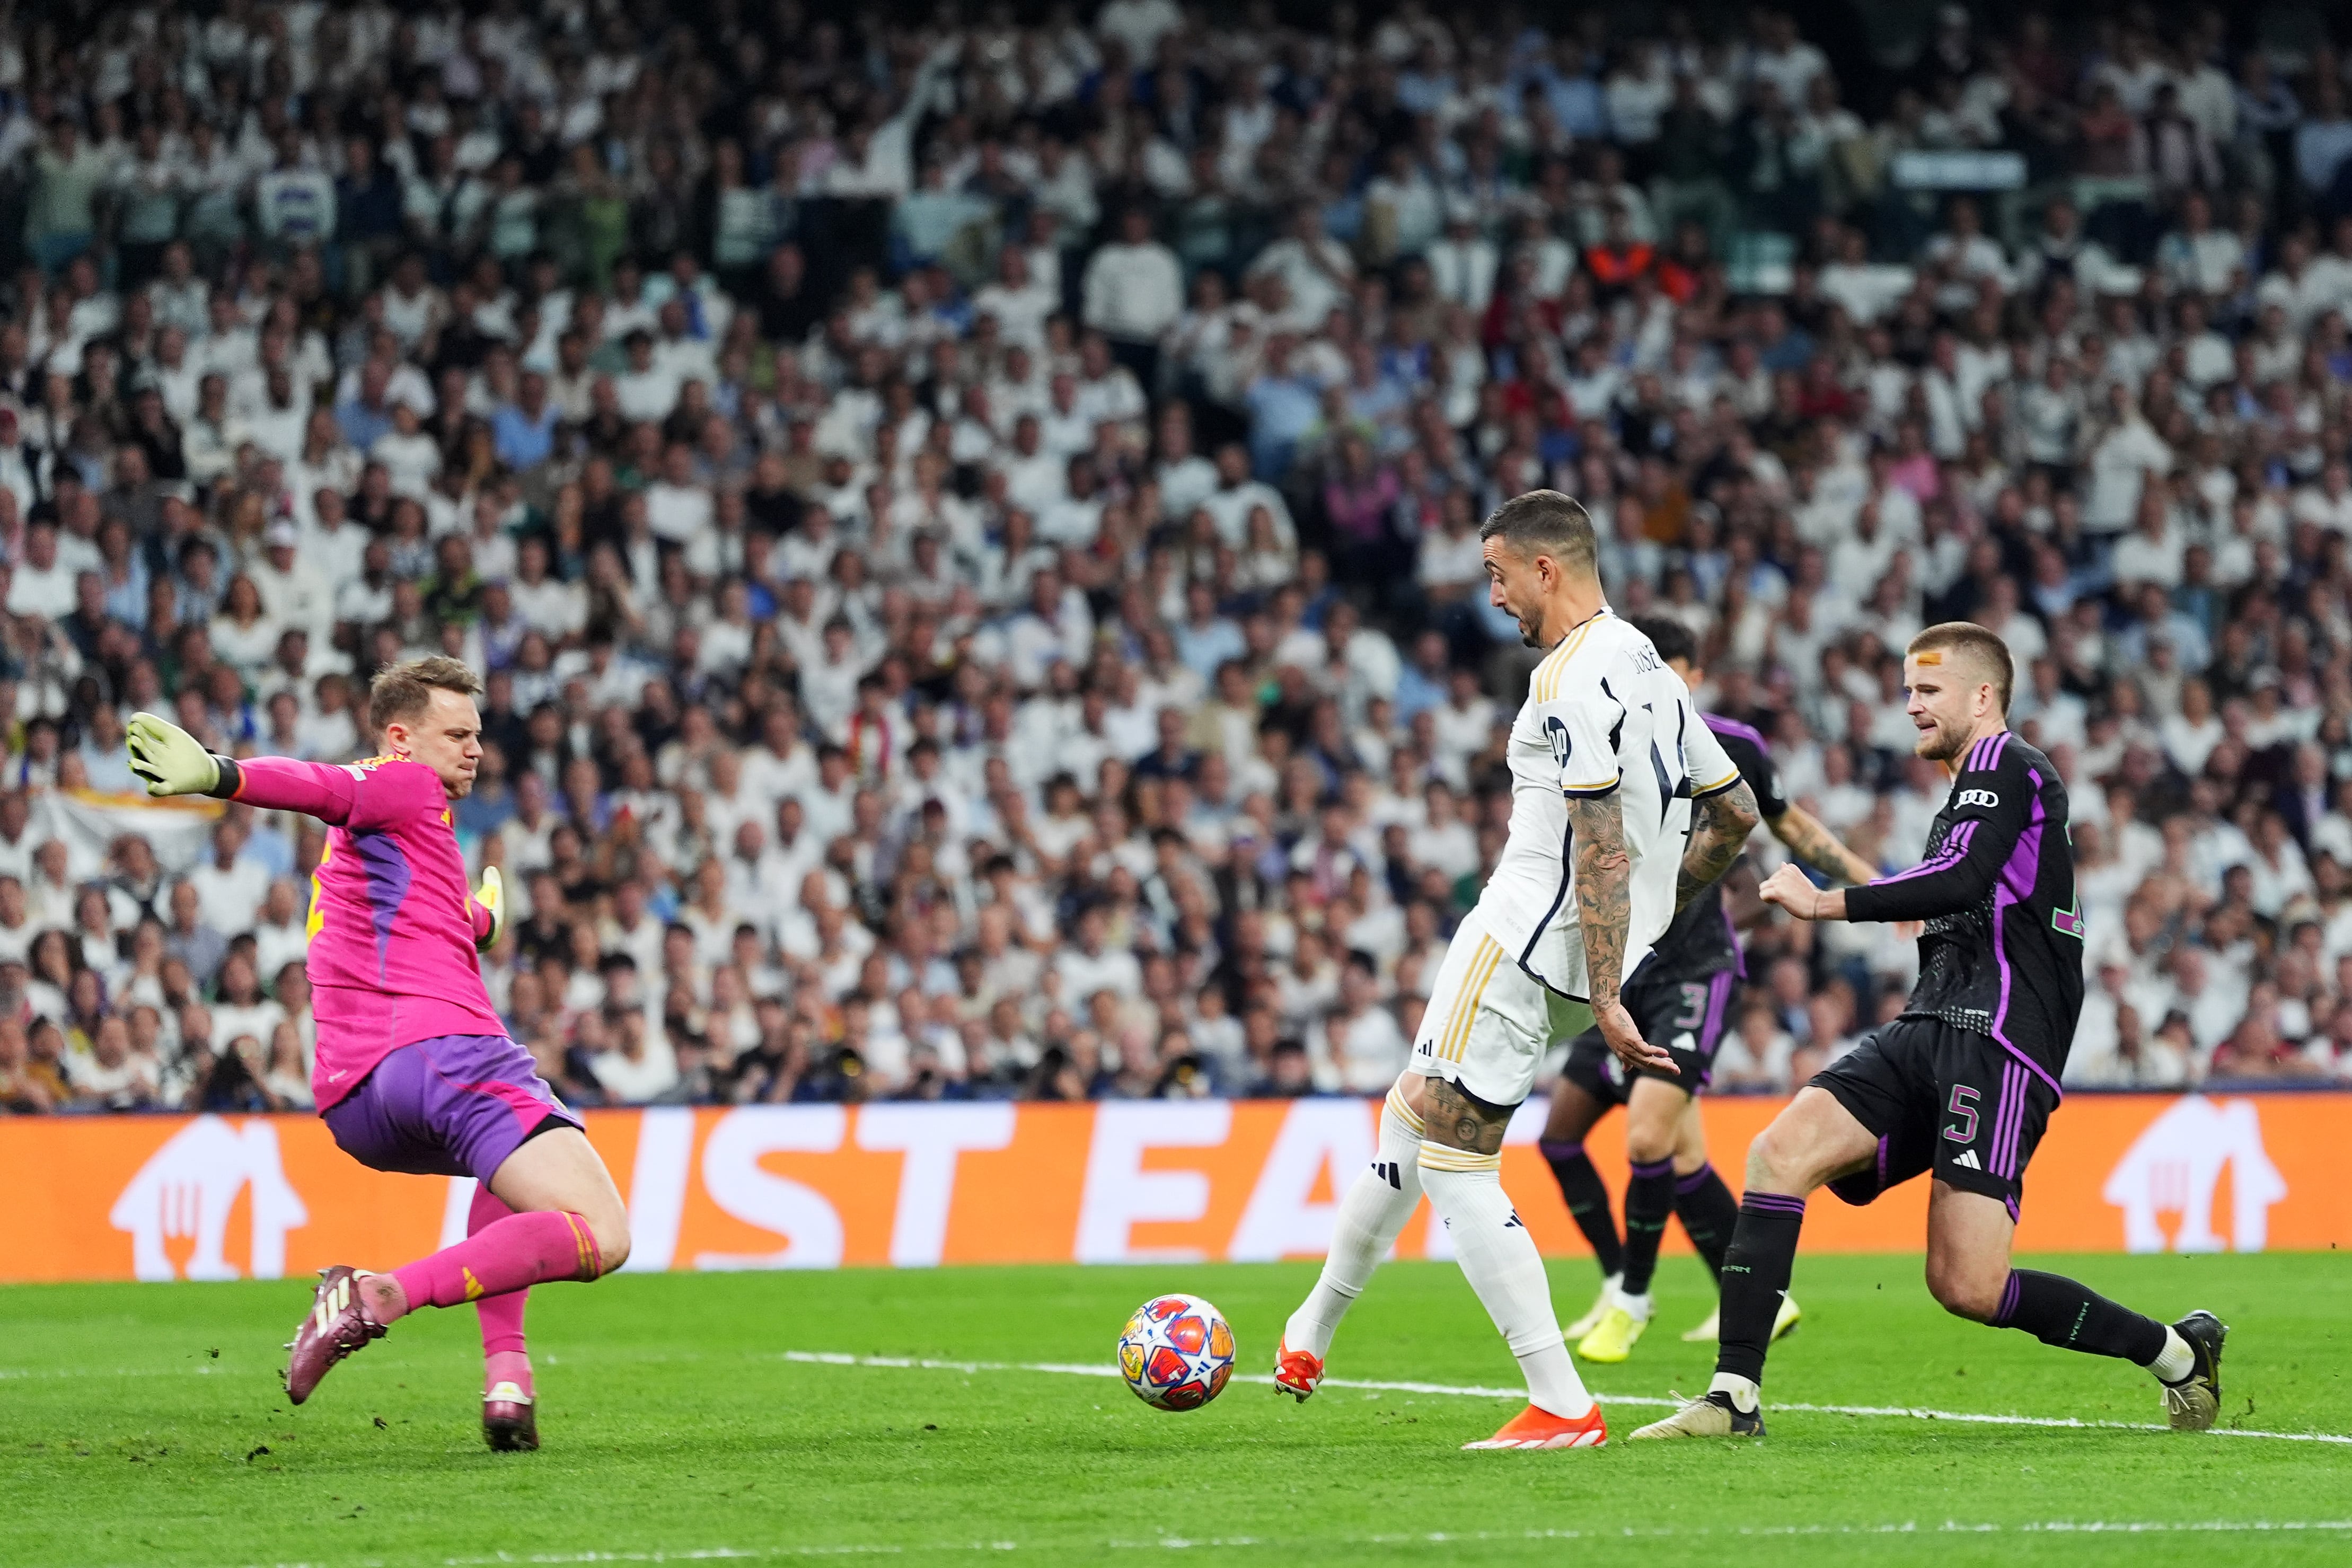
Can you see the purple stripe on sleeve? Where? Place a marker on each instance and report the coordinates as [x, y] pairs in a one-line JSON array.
[[1955, 849], [2000, 749]]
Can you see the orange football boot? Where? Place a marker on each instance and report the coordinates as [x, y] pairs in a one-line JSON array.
[[1534, 1428], [1296, 1373]]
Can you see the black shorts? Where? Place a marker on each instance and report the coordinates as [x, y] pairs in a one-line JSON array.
[[1684, 1016], [1944, 1099]]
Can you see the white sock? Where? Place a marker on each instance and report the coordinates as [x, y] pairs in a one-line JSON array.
[[1744, 1393], [2175, 1361], [1639, 1306], [1374, 1210], [1500, 1259]]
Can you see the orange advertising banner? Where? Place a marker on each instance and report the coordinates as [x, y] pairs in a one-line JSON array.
[[812, 1186]]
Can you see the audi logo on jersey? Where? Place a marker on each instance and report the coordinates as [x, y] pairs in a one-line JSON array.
[[1983, 798]]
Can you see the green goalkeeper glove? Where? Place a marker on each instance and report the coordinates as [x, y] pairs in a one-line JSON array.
[[493, 897], [171, 761]]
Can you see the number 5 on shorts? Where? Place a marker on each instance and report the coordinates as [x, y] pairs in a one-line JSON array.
[[1964, 1106]]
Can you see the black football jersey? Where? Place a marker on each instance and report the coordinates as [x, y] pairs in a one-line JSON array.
[[1701, 942], [2002, 952]]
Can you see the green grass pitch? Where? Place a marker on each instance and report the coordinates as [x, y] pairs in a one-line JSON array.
[[144, 1424]]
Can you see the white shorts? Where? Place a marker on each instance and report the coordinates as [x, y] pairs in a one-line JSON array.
[[1489, 1022]]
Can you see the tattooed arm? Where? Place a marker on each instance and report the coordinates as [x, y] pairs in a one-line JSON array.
[[1817, 847], [1604, 905], [1603, 891], [1721, 823]]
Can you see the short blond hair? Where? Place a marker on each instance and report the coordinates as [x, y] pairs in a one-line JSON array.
[[1975, 643], [402, 692]]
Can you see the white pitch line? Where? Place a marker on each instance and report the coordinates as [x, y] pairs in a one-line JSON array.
[[723, 1553], [1473, 1391], [1907, 1527], [1432, 1538]]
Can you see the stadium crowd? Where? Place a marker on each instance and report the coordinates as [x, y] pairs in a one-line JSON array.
[[969, 523]]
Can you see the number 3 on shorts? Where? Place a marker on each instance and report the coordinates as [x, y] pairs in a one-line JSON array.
[[1693, 1011]]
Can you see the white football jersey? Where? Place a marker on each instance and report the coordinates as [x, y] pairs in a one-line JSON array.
[[1603, 715]]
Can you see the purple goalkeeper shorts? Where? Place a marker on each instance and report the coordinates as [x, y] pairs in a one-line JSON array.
[[457, 1105]]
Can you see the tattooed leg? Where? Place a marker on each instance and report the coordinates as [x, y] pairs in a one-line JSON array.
[[1461, 1170]]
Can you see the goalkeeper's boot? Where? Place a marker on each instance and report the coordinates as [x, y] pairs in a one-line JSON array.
[[1711, 1328], [1592, 1319], [1713, 1416], [338, 1324], [1614, 1339], [1296, 1373], [2191, 1403], [509, 1420], [1538, 1428]]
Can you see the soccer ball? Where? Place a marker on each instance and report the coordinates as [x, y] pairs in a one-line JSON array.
[[1176, 1353]]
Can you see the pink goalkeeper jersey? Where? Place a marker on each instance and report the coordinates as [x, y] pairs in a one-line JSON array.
[[393, 918]]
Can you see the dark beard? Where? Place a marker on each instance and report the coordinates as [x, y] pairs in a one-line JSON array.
[[1532, 632], [1940, 754]]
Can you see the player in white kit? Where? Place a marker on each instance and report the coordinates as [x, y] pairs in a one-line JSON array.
[[1624, 804]]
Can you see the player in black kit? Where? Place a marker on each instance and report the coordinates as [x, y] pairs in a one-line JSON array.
[[1679, 997], [1963, 1082]]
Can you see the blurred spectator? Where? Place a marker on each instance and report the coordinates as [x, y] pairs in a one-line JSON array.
[[977, 565]]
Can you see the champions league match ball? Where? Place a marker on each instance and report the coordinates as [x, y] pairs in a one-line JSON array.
[[1176, 1353]]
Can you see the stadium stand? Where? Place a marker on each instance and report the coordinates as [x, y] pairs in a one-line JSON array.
[[969, 519]]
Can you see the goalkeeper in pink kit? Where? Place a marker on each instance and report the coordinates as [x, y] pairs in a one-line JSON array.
[[415, 1072]]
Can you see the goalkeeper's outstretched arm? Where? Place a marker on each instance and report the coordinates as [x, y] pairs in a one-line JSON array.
[[175, 762]]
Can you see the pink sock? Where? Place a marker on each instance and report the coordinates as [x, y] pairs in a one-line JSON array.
[[511, 1254], [507, 1366], [504, 1358]]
